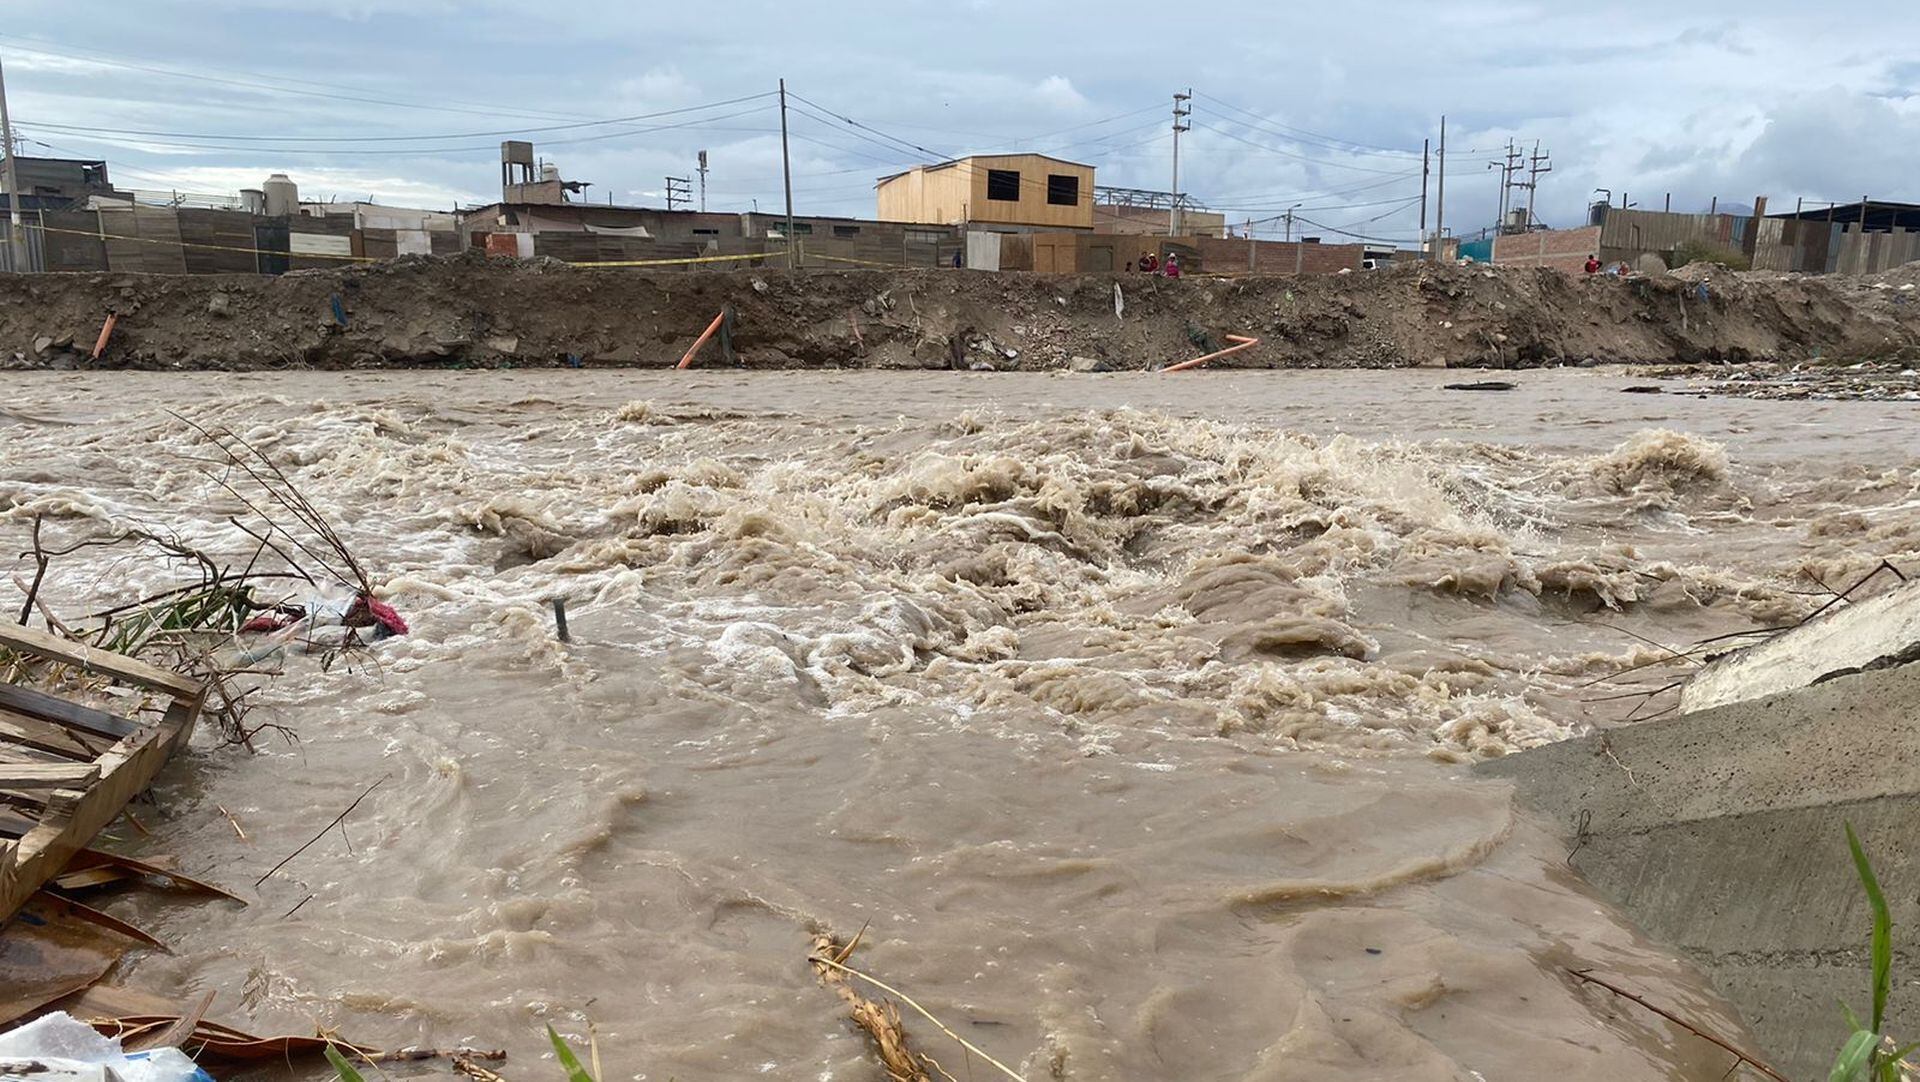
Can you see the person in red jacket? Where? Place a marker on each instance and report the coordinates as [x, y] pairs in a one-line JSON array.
[[1150, 263], [1173, 267], [1593, 264]]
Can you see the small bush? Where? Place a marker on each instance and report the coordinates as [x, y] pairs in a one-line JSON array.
[[1699, 251]]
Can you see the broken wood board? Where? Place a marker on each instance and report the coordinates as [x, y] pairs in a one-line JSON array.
[[66, 804]]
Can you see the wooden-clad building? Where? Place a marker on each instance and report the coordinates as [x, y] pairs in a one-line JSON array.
[[1001, 192]]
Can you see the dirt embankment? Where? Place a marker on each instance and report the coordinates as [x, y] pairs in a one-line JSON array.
[[472, 311]]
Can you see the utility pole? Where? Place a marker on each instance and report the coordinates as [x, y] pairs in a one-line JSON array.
[[786, 171], [1181, 110], [1509, 169], [1440, 196], [679, 192], [1424, 144], [14, 250], [703, 182], [1537, 164]]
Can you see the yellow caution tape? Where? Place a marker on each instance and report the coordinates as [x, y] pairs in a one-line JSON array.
[[843, 259], [212, 247], [780, 254]]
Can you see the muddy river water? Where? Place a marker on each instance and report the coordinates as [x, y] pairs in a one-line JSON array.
[[1131, 715]]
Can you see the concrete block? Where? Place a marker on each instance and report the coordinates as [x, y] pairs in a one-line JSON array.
[[1844, 637], [1722, 832]]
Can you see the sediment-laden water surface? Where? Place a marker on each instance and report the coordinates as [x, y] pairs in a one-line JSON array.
[[1129, 714]]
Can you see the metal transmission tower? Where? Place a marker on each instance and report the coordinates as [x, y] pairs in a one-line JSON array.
[[1181, 111], [1509, 169], [679, 192], [703, 181], [1537, 164]]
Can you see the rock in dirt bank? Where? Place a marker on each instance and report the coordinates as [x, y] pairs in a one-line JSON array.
[[469, 310]]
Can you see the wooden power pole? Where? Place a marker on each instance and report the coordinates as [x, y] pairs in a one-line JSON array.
[[786, 173]]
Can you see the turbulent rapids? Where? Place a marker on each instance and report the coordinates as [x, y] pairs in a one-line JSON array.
[[1126, 712]]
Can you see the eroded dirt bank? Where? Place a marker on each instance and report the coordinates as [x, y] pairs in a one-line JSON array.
[[469, 311]]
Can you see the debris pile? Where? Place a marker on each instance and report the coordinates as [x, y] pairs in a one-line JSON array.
[[469, 311], [92, 709], [1889, 380]]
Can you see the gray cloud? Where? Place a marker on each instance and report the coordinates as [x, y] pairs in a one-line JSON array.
[[1322, 106]]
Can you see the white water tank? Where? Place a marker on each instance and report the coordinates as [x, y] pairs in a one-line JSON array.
[[549, 172], [282, 195], [253, 201]]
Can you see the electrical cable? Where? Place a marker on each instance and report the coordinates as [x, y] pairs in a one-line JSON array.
[[81, 128], [703, 123], [1330, 141], [1324, 163], [277, 85]]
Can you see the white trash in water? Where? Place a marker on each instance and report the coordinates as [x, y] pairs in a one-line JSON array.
[[68, 1049]]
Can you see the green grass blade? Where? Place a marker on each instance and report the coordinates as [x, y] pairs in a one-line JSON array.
[[1882, 931], [1853, 1056], [341, 1068], [575, 1072]]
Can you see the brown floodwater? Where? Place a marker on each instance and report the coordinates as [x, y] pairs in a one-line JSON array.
[[1131, 715]]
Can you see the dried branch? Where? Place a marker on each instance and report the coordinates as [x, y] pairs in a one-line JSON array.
[[1587, 977], [323, 830]]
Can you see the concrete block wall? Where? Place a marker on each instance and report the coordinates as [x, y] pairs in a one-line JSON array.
[[1723, 833]]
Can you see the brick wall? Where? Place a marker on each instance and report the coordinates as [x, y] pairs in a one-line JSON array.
[[1562, 249]]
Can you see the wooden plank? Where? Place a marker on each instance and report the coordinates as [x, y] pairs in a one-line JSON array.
[[38, 704], [28, 732], [47, 775], [105, 662], [69, 824], [31, 802], [160, 867], [13, 824], [48, 906]]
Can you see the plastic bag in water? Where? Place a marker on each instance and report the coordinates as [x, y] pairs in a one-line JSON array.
[[66, 1048]]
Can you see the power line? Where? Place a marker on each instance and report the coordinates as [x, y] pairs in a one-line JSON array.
[[856, 124], [1318, 193], [1095, 124], [1329, 141], [1396, 202], [1289, 154], [278, 86], [1346, 232], [80, 128], [702, 123], [1270, 202]]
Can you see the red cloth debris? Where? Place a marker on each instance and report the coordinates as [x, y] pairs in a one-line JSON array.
[[272, 621], [387, 616]]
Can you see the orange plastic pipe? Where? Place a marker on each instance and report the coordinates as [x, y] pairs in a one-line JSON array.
[[687, 361], [106, 332], [1242, 339]]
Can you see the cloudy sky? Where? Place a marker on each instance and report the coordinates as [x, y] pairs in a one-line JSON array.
[[1322, 107]]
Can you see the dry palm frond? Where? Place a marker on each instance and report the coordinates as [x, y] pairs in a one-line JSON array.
[[881, 1019]]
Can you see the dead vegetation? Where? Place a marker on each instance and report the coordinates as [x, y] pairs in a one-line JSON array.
[[880, 1018], [93, 707], [190, 628]]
